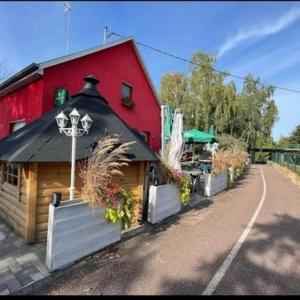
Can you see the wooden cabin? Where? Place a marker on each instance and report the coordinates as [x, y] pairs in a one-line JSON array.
[[35, 162]]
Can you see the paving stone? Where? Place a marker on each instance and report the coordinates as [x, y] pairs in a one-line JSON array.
[[21, 265], [25, 280], [4, 263], [31, 270], [3, 270], [13, 284], [15, 267], [36, 276], [27, 265], [42, 268], [5, 292], [6, 276], [26, 258]]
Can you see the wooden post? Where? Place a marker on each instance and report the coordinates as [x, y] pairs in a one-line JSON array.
[[146, 192], [31, 196], [140, 189]]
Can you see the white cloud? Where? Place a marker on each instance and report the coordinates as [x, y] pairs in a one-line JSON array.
[[260, 31], [270, 63]]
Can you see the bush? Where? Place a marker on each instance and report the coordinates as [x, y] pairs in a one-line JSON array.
[[228, 142], [224, 159]]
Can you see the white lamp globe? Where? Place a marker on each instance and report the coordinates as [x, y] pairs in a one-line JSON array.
[[74, 116], [86, 122], [61, 120]]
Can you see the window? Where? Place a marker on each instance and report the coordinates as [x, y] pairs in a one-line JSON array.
[[11, 174], [127, 95], [126, 91], [14, 126]]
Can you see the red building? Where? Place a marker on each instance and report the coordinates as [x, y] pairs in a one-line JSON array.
[[124, 82]]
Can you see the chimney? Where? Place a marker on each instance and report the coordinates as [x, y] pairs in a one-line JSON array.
[[90, 88], [90, 82]]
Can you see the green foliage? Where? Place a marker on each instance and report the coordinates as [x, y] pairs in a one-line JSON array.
[[170, 175], [228, 142], [112, 215], [185, 189], [205, 99], [293, 138], [123, 210]]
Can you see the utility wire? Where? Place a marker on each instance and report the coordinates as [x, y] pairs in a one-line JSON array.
[[199, 65]]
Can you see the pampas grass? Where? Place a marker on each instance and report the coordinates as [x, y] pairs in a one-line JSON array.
[[102, 165]]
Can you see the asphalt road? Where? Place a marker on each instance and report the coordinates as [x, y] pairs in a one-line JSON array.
[[183, 255]]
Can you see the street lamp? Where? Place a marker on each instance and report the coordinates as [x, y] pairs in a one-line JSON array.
[[73, 131]]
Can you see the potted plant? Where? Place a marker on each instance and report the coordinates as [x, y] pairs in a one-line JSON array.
[[167, 198]]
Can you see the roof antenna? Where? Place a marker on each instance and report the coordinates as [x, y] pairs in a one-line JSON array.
[[106, 35], [67, 5]]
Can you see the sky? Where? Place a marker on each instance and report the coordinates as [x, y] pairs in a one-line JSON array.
[[261, 38]]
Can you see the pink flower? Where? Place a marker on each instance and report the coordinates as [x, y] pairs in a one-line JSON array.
[[178, 173]]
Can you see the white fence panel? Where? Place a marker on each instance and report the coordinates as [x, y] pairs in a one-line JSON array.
[[75, 230], [215, 184], [164, 201]]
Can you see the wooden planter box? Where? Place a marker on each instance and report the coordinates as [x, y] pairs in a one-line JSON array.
[[75, 230], [164, 201], [215, 184]]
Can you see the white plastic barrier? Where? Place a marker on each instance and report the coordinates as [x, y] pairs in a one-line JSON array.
[[215, 184], [164, 201], [75, 230]]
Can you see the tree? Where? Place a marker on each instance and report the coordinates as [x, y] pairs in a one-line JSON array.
[[205, 100], [293, 138]]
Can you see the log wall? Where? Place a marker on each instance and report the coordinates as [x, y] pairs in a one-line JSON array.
[[52, 177], [13, 203], [55, 177]]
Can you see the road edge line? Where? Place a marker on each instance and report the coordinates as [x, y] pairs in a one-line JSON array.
[[211, 287]]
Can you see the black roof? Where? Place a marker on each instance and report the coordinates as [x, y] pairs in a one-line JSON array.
[[41, 141]]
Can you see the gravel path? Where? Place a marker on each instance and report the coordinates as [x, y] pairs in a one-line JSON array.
[[182, 256]]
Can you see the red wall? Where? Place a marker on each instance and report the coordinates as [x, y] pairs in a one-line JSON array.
[[24, 103], [111, 66]]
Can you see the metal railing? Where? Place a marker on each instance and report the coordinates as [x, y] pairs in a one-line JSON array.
[[289, 160], [291, 146]]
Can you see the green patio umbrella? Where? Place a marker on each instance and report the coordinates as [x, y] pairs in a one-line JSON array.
[[168, 123], [197, 136]]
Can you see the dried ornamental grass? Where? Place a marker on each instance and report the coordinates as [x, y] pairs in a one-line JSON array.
[[103, 164], [223, 160]]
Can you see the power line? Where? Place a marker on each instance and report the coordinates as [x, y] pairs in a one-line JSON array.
[[199, 65]]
